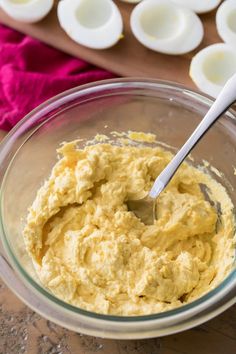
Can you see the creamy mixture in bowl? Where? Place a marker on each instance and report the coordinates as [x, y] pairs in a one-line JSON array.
[[91, 251]]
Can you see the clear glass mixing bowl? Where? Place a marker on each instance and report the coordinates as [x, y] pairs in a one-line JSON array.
[[27, 155]]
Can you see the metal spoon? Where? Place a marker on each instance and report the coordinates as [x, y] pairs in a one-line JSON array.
[[145, 208]]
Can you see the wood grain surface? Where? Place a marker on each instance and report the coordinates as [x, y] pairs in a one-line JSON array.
[[128, 57]]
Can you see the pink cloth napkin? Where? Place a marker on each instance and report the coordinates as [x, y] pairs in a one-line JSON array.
[[31, 72]]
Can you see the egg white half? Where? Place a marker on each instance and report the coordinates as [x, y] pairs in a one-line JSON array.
[[226, 22], [212, 67], [27, 10], [165, 27], [94, 24], [199, 6]]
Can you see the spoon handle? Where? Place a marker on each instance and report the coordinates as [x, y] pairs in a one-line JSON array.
[[225, 99]]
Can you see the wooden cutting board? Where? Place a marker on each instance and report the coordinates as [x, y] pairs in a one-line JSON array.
[[128, 57]]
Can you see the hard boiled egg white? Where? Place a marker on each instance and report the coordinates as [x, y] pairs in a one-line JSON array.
[[199, 6], [226, 22], [212, 67], [94, 24], [27, 10], [165, 27]]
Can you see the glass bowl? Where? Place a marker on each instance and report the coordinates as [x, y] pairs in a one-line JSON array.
[[28, 153]]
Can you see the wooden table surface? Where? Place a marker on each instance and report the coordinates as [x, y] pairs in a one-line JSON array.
[[22, 331]]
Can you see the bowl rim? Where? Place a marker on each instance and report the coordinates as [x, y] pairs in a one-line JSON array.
[[58, 101]]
